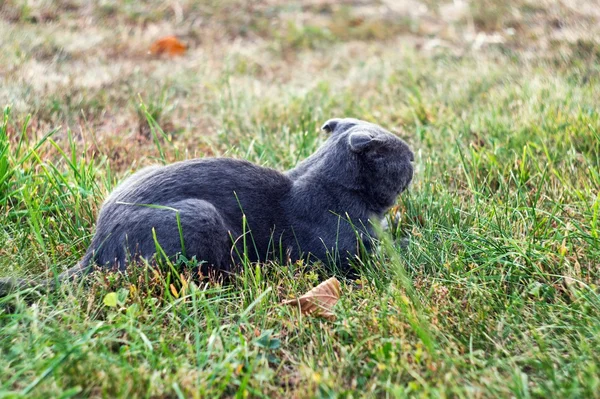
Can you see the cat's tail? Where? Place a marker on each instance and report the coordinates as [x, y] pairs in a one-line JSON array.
[[11, 284]]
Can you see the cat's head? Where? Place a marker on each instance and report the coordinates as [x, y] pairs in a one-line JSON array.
[[382, 161]]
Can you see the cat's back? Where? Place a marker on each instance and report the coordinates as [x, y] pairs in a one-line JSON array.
[[206, 178]]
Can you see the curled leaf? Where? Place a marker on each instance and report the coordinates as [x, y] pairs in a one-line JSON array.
[[174, 291], [320, 300], [169, 45]]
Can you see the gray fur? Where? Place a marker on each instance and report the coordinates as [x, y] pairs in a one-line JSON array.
[[310, 212]]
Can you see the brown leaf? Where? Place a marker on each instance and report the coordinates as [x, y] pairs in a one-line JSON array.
[[169, 45], [320, 300]]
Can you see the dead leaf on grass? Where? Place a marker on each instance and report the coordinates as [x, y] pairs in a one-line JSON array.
[[169, 45], [320, 300]]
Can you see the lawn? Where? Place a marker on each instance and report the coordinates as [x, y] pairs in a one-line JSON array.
[[485, 284]]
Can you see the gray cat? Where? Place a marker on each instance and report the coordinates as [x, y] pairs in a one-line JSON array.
[[322, 209]]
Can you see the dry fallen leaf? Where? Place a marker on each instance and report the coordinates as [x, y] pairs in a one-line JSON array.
[[169, 45], [320, 300]]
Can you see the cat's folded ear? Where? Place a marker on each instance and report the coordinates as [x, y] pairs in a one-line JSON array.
[[330, 125], [361, 142]]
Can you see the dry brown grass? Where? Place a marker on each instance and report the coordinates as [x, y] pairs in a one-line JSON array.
[[82, 65]]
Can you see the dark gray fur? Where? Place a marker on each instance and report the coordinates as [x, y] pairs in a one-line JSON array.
[[314, 210]]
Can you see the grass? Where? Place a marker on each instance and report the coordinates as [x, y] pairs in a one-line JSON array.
[[488, 285]]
